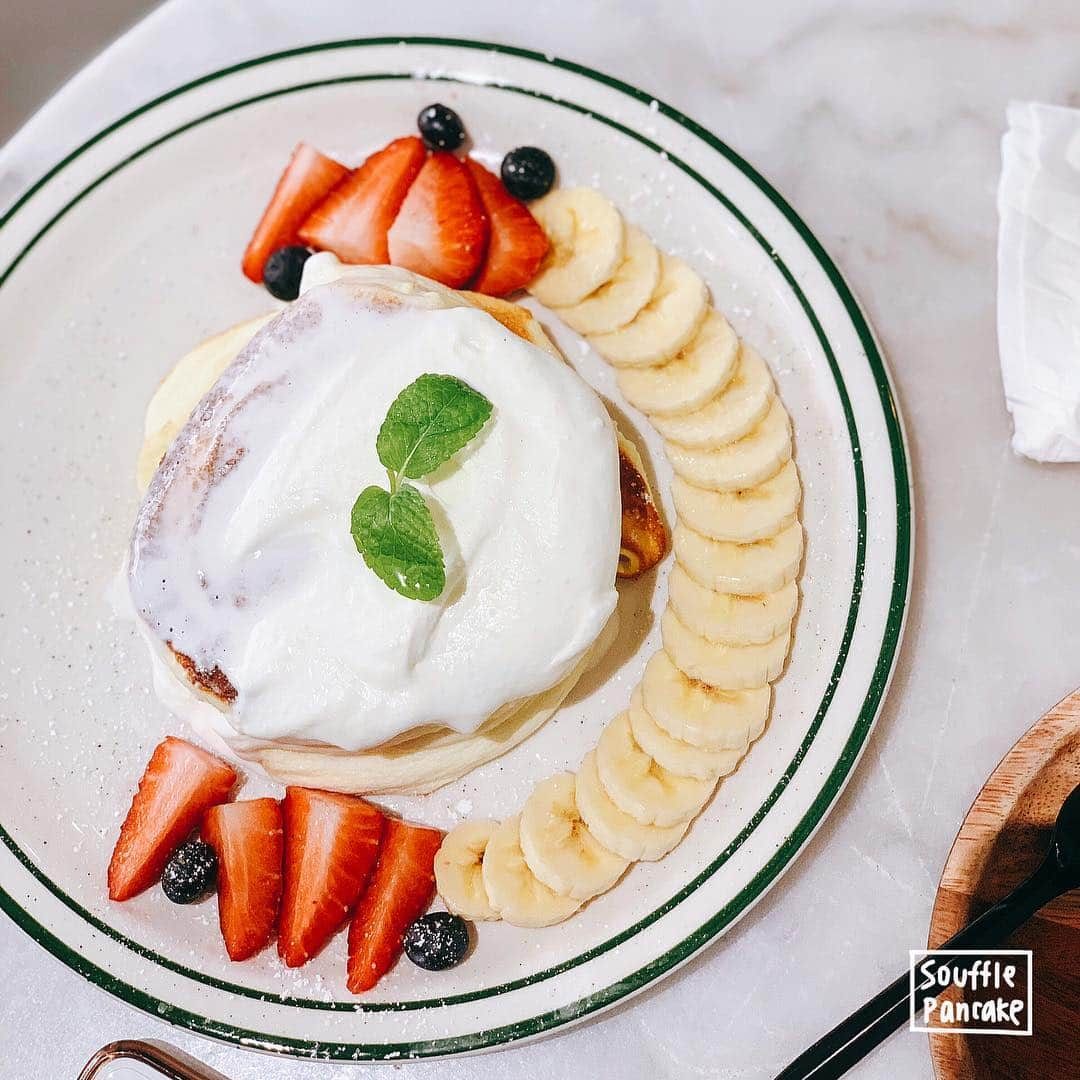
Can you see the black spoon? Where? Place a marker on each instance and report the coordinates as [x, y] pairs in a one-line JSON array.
[[849, 1042]]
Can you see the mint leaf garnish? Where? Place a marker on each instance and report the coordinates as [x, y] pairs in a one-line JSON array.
[[428, 423], [396, 536]]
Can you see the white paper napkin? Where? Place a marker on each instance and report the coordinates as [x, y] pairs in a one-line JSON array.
[[1039, 279]]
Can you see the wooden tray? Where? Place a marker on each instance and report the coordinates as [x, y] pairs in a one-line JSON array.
[[1004, 837]]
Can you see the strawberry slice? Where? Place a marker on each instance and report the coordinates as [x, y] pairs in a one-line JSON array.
[[248, 840], [304, 183], [441, 231], [180, 784], [353, 219], [331, 842], [400, 891], [516, 245]]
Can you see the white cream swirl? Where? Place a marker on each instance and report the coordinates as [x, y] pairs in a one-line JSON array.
[[242, 557]]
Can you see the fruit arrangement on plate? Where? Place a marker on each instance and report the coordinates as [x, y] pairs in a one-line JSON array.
[[301, 866], [403, 232], [413, 204]]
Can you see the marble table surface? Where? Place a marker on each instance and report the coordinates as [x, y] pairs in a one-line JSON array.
[[880, 120]]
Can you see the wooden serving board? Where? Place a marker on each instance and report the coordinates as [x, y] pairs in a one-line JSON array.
[[1004, 837]]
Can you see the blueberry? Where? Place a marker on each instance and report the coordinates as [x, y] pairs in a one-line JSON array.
[[528, 172], [189, 874], [437, 941], [441, 128], [281, 274]]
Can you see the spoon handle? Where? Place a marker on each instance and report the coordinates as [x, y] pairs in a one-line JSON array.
[[852, 1039], [995, 924]]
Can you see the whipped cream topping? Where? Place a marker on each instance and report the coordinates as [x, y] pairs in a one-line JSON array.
[[242, 557]]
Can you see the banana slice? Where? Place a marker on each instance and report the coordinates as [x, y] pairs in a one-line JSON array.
[[558, 846], [619, 300], [728, 667], [743, 515], [726, 617], [681, 758], [617, 831], [514, 890], [586, 238], [751, 460], [640, 786], [690, 380], [763, 566], [700, 714], [730, 415], [664, 325], [459, 870]]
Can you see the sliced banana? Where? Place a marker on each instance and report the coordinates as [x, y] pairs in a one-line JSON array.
[[730, 415], [732, 593], [664, 325], [640, 786], [691, 379], [681, 758], [558, 846], [459, 870], [617, 831], [742, 515], [620, 298], [762, 566], [726, 617], [700, 714], [586, 237], [750, 460], [514, 890], [728, 667]]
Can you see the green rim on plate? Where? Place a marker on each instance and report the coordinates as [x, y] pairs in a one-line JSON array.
[[833, 782]]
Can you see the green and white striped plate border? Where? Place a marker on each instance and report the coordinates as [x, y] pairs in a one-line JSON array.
[[85, 942]]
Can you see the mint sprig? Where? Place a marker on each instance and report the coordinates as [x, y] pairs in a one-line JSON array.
[[426, 424], [397, 538]]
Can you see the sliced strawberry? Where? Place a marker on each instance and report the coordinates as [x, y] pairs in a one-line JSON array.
[[353, 219], [400, 891], [516, 244], [248, 840], [441, 231], [331, 843], [180, 784], [304, 183]]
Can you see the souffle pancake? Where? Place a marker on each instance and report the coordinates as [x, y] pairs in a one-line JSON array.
[[268, 632]]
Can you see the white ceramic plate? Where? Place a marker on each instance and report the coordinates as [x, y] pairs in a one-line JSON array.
[[124, 256]]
